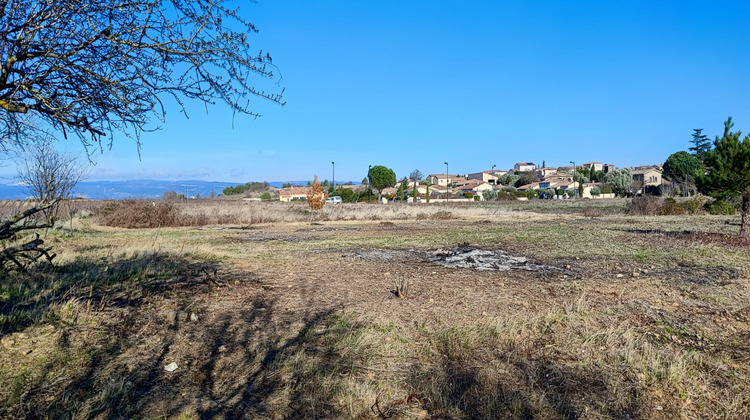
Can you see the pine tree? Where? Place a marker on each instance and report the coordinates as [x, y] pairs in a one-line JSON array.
[[729, 170], [701, 144]]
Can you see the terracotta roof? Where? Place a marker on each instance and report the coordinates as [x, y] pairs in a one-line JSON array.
[[293, 191]]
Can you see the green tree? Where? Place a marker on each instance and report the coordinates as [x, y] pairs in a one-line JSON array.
[[684, 167], [507, 179], [619, 181], [580, 176], [382, 178], [402, 188], [728, 165], [701, 144], [266, 196], [347, 195], [526, 178]]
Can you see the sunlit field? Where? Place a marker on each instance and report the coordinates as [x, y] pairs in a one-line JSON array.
[[267, 310]]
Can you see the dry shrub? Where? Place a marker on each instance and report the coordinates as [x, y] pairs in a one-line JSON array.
[[443, 215], [646, 206], [591, 211], [657, 206], [138, 214], [316, 198]]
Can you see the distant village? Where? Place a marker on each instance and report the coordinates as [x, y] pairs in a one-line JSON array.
[[524, 181]]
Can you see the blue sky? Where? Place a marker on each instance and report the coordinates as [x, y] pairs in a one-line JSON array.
[[475, 83]]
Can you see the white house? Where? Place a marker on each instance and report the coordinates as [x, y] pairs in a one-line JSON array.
[[524, 167]]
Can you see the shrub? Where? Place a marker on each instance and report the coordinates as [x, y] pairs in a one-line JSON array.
[[720, 207], [489, 195], [265, 196], [595, 191], [347, 195], [591, 211], [443, 215], [647, 206], [138, 214], [694, 205], [506, 195], [315, 196], [669, 207]]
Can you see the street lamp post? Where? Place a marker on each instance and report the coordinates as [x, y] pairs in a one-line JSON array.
[[333, 165], [575, 191], [369, 185], [447, 182], [494, 178]]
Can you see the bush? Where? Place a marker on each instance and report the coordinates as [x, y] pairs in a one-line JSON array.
[[506, 195], [266, 196], [647, 206], [721, 208], [347, 195], [489, 195], [133, 214], [590, 211], [656, 206], [669, 207], [694, 205]]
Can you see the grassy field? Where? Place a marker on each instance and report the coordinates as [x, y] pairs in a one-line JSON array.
[[267, 311]]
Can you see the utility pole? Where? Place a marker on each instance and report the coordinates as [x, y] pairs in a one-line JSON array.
[[575, 191], [369, 185], [447, 182], [333, 164]]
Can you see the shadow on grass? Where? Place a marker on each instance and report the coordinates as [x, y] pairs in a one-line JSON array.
[[117, 324], [25, 298], [493, 380], [247, 354]]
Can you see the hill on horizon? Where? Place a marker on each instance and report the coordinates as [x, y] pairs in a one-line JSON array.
[[139, 188]]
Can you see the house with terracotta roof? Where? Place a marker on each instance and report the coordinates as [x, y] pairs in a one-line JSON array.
[[646, 177], [443, 179], [474, 186], [293, 194], [487, 176]]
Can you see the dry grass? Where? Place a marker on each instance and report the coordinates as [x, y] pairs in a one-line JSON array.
[[294, 319]]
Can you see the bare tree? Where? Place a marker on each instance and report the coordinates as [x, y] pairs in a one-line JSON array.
[[94, 67], [49, 175]]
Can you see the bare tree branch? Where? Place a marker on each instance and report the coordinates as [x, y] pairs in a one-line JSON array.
[[97, 67]]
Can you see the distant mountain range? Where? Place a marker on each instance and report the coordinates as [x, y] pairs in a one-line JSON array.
[[138, 188]]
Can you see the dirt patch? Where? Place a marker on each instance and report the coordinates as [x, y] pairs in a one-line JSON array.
[[291, 239]]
